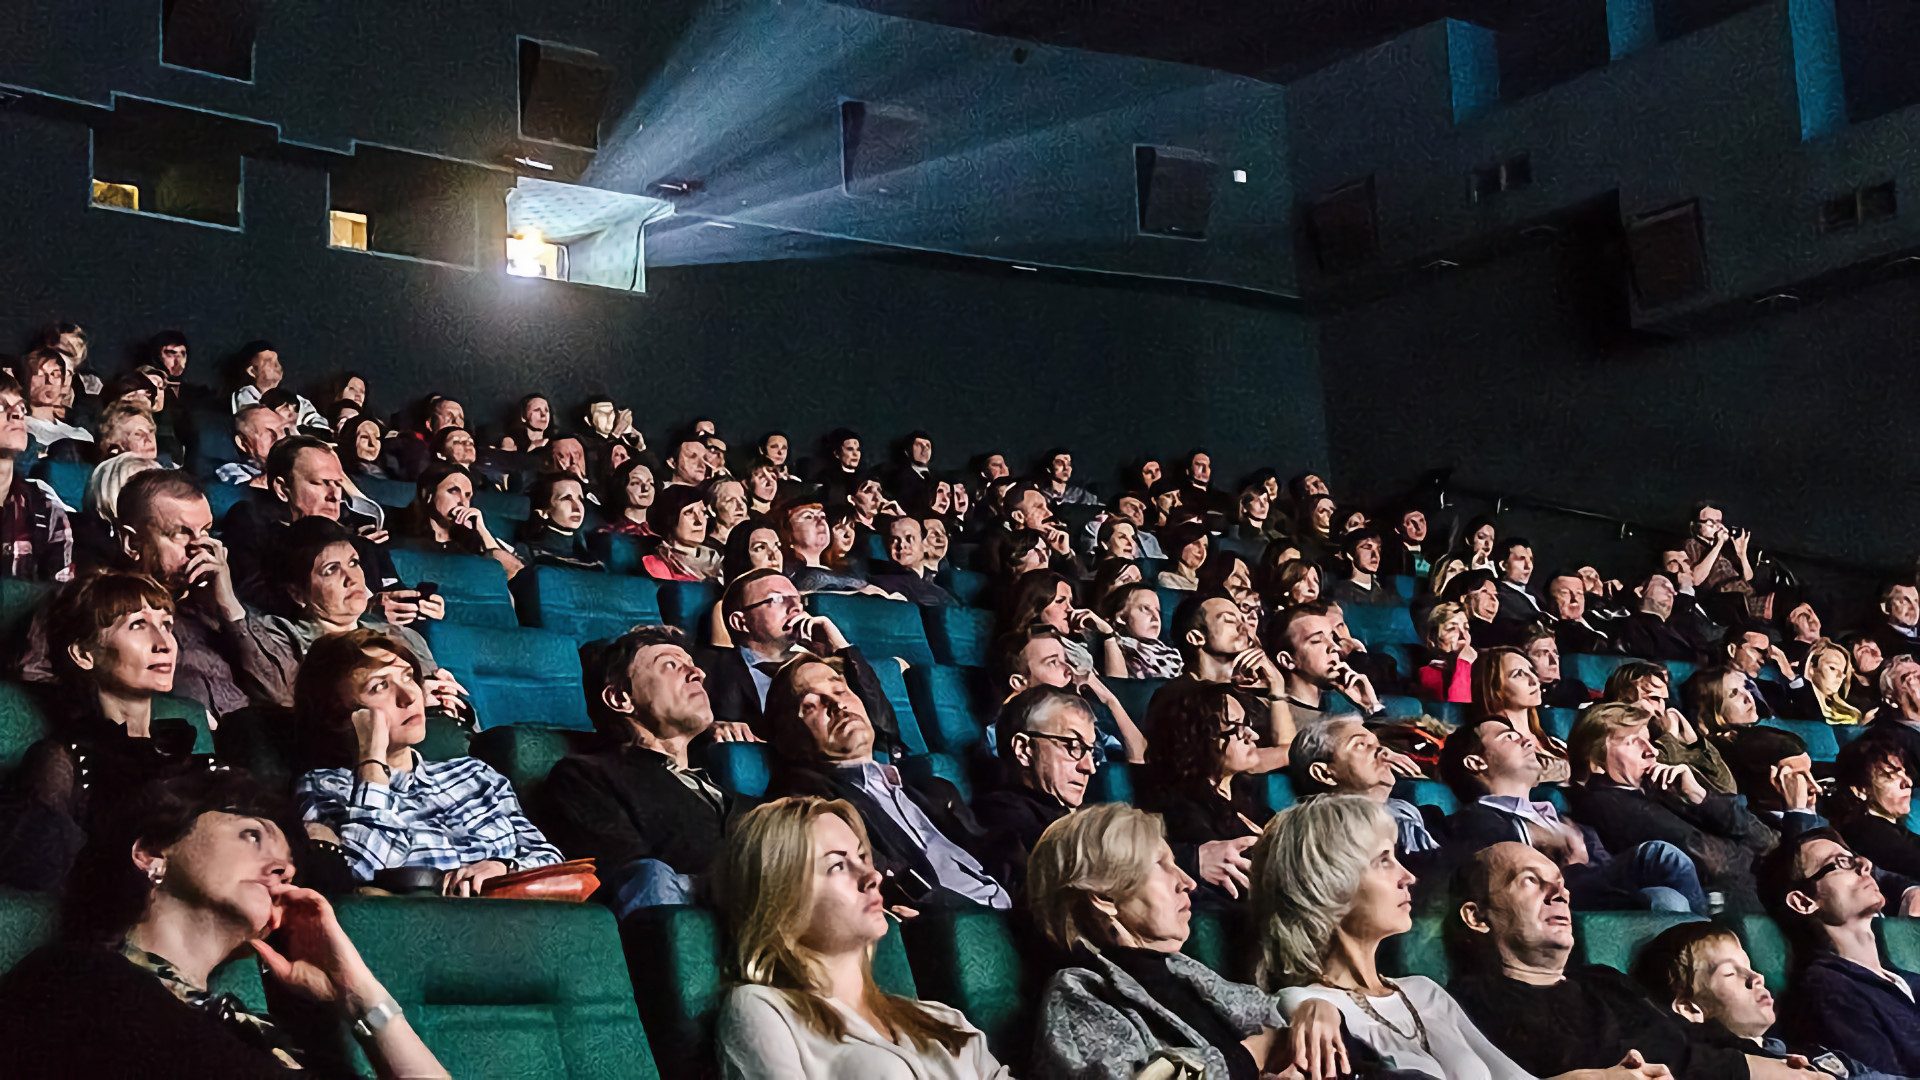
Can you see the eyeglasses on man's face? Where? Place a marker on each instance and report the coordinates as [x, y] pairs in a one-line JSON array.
[[1846, 860], [790, 601], [1072, 745]]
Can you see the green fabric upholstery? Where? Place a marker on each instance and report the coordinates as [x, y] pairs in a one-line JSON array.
[[1169, 602], [1846, 733], [1766, 948], [1592, 669], [1900, 942], [961, 636], [967, 586], [21, 724], [881, 627], [525, 754], [677, 955], [585, 605], [507, 988], [1680, 671], [1135, 695], [621, 553], [1218, 941], [1376, 625], [951, 705], [389, 493], [18, 598], [445, 739], [1402, 708], [1420, 951], [68, 479], [894, 683], [1559, 722], [171, 707], [969, 960], [1451, 713], [947, 767], [686, 604], [475, 587], [1613, 937], [1427, 793], [1405, 586], [1817, 734], [742, 768], [516, 675], [223, 497], [502, 506], [1276, 791], [1113, 782], [1555, 794]]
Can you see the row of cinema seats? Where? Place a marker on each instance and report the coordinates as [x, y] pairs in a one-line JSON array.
[[533, 990]]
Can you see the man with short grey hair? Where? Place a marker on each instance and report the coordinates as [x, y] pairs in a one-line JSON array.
[[1342, 756]]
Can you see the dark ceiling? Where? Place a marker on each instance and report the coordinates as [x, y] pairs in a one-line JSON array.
[[1542, 41]]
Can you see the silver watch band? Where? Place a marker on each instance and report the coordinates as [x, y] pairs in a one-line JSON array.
[[370, 1022]]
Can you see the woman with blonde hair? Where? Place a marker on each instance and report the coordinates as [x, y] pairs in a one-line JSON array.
[[1327, 891], [1505, 688], [1449, 639], [803, 902], [96, 530], [1829, 673], [1104, 889]]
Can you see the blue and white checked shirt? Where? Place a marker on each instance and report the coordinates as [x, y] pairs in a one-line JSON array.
[[443, 814]]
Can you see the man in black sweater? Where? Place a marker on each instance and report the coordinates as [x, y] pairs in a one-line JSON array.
[[649, 819], [1550, 1020], [1045, 738]]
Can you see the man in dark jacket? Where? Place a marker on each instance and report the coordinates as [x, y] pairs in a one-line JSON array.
[[1629, 798], [1550, 1019], [1661, 627], [770, 625], [922, 834], [649, 819], [1492, 770], [1827, 898], [1046, 737]]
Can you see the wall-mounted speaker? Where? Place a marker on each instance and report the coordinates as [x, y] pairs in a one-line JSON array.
[[562, 93], [1668, 254], [1175, 191], [1344, 227], [214, 36]]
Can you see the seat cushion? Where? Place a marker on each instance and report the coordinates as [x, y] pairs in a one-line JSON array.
[[585, 605], [687, 604], [969, 960], [516, 675], [879, 626], [951, 705], [1614, 937], [475, 587], [961, 636], [506, 988]]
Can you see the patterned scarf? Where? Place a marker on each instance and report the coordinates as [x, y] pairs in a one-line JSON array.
[[256, 1031]]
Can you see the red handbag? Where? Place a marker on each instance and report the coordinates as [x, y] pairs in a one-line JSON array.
[[571, 881]]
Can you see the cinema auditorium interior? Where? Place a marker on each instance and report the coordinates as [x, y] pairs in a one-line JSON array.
[[937, 540]]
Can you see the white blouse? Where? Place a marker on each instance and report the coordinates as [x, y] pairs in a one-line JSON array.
[[760, 1037], [1460, 1052]]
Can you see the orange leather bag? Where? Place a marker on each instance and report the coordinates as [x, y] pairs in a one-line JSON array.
[[572, 881]]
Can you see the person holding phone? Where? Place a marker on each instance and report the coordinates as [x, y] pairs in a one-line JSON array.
[[1721, 566]]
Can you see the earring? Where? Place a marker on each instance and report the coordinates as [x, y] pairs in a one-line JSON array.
[[157, 870]]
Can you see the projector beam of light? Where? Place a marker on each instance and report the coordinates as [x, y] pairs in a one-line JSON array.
[[1030, 163]]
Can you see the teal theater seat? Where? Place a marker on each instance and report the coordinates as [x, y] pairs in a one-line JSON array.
[[585, 605], [961, 636], [1381, 625], [879, 626], [68, 479], [223, 497], [1135, 695], [475, 587], [526, 753], [392, 494], [1591, 668], [1559, 722], [951, 704], [18, 598], [519, 989], [1427, 793], [1817, 734], [516, 675], [687, 605], [1614, 937], [502, 507], [967, 586], [1112, 782], [969, 960], [1420, 951], [894, 683], [1275, 790], [742, 768]]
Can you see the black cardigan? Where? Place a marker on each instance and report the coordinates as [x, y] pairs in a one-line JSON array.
[[626, 804]]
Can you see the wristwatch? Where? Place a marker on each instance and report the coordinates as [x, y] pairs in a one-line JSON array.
[[369, 1023]]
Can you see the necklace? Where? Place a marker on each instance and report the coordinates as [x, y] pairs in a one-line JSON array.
[[1359, 997]]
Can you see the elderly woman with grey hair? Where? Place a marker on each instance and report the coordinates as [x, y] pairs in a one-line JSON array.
[[1103, 886], [1327, 890]]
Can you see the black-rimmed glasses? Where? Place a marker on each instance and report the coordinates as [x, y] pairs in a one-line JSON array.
[[1846, 860], [1074, 746], [791, 600]]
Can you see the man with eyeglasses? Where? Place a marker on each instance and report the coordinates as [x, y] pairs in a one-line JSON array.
[[1827, 897], [1045, 738], [768, 619], [36, 541]]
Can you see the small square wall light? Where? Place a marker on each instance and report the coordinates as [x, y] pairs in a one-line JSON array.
[[530, 255], [346, 229]]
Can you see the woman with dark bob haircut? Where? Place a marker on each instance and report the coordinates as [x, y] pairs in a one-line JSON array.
[[1201, 750], [191, 873], [360, 708]]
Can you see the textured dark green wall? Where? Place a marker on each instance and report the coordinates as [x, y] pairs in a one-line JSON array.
[[990, 358]]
